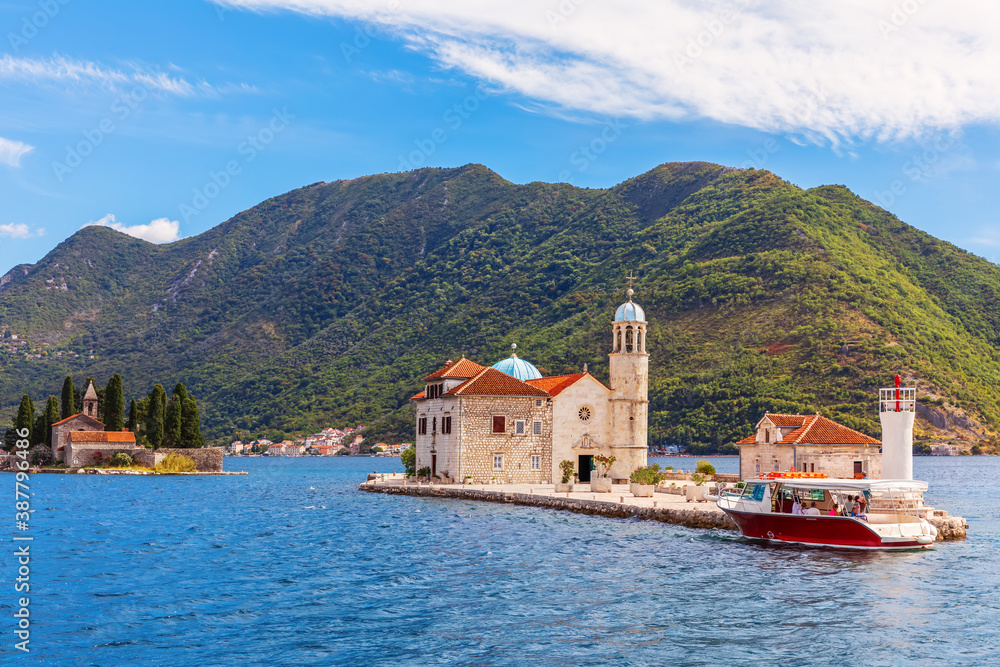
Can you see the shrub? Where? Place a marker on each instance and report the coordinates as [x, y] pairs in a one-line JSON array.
[[176, 463], [647, 475], [567, 470], [698, 479], [98, 458], [408, 457], [120, 460], [40, 455], [424, 472], [705, 468], [604, 464]]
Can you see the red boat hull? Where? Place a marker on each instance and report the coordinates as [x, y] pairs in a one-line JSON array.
[[831, 531]]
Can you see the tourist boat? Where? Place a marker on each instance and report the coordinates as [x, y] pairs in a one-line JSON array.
[[762, 509]]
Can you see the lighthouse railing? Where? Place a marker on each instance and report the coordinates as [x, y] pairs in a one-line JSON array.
[[897, 399]]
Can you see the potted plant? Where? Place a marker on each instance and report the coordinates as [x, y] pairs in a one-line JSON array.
[[643, 480], [696, 493], [567, 472], [602, 483], [467, 479]]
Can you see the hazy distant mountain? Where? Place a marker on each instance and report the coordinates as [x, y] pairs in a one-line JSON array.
[[327, 305]]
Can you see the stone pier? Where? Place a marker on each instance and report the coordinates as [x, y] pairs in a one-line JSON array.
[[666, 505]]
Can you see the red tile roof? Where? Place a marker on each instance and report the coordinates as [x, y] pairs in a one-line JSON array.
[[463, 368], [102, 436], [79, 414], [814, 430], [556, 384], [491, 382], [419, 395]]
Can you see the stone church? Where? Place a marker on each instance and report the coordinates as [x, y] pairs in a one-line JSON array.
[[507, 423], [76, 438]]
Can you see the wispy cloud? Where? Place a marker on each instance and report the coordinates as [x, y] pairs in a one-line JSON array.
[[829, 71], [19, 230], [12, 151], [161, 230], [68, 71]]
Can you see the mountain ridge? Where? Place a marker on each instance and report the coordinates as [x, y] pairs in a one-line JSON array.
[[328, 303]]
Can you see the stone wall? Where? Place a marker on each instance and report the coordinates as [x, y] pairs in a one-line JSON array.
[[480, 444], [81, 455], [206, 459], [568, 430], [834, 460], [8, 463]]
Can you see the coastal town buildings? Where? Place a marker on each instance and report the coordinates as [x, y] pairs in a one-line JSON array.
[[508, 424], [809, 443]]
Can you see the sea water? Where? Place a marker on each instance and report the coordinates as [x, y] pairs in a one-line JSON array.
[[292, 565]]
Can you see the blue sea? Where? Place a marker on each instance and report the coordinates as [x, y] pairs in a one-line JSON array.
[[291, 565]]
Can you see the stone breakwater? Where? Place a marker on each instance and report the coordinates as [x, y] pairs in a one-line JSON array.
[[698, 516]]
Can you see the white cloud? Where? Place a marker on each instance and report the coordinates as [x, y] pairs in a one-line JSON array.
[[67, 71], [19, 230], [12, 151], [828, 70], [161, 230]]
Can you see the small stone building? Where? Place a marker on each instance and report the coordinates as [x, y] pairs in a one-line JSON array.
[[809, 443], [508, 424], [82, 421]]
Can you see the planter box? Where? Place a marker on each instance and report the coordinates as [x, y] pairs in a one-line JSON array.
[[641, 490], [695, 494], [600, 484], [563, 488]]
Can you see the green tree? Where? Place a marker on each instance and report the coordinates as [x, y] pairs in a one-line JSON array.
[[155, 416], [51, 417], [408, 457], [68, 405], [114, 404], [191, 425], [181, 392], [172, 423], [133, 423], [26, 416]]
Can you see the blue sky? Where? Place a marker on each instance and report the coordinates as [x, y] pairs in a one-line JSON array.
[[165, 119]]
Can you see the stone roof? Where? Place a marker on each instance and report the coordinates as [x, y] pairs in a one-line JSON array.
[[491, 382], [90, 395], [814, 430], [87, 418], [463, 368], [102, 436]]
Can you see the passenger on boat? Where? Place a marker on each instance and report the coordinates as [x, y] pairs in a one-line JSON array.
[[861, 505], [833, 510], [849, 505], [796, 506], [813, 510]]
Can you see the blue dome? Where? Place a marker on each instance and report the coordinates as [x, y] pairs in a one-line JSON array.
[[518, 368], [630, 312]]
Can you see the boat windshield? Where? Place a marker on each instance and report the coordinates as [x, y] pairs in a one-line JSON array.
[[754, 492]]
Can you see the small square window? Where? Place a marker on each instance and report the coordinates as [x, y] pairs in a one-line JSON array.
[[498, 461], [519, 427], [536, 462], [536, 428], [538, 402], [499, 424]]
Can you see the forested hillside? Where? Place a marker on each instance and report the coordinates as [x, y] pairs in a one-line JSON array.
[[327, 305]]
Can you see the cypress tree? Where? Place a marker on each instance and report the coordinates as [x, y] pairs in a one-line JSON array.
[[26, 416], [51, 417], [155, 416], [68, 405], [191, 426], [181, 392], [133, 421], [172, 423], [114, 405]]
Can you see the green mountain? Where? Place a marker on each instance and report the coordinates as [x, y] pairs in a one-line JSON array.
[[327, 305]]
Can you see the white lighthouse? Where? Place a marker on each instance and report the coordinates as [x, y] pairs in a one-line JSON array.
[[897, 408]]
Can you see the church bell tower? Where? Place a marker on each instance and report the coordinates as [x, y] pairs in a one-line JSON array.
[[629, 379]]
